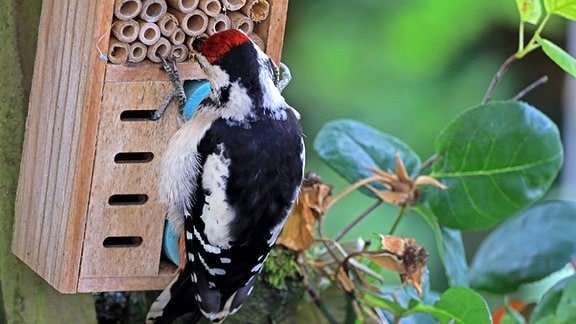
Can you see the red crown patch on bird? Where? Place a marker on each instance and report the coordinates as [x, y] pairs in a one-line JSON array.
[[220, 43]]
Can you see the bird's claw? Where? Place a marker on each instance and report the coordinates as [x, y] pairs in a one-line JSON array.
[[177, 84]]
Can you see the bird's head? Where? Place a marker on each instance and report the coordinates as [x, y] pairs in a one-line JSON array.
[[230, 56]]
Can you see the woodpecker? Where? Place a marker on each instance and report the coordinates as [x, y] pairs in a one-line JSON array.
[[229, 178]]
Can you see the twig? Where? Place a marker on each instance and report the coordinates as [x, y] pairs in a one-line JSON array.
[[541, 80], [397, 220], [316, 298], [349, 189], [497, 77], [430, 161], [357, 220]]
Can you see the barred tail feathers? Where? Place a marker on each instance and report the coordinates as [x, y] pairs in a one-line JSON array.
[[176, 300]]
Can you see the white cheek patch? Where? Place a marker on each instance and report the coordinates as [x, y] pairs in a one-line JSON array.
[[217, 215], [240, 108]]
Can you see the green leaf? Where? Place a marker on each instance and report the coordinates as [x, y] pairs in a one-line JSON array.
[[559, 56], [455, 257], [527, 248], [496, 159], [450, 248], [558, 305], [349, 147], [564, 8], [530, 10], [466, 304], [457, 305]]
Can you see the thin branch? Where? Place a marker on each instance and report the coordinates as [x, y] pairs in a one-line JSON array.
[[349, 189], [541, 80], [496, 78], [357, 220], [430, 161], [316, 297], [397, 220]]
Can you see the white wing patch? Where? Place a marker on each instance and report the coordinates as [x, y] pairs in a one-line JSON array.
[[217, 215]]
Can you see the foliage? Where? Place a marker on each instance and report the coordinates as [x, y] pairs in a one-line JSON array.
[[492, 165], [281, 266]]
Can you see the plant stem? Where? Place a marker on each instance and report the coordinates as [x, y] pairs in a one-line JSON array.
[[397, 221], [521, 36], [430, 161], [349, 189], [497, 78], [532, 44], [522, 51], [316, 298], [542, 79], [357, 220]]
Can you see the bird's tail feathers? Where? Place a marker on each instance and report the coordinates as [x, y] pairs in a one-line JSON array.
[[176, 300]]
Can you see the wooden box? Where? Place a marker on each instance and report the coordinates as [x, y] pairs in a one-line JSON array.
[[87, 217]]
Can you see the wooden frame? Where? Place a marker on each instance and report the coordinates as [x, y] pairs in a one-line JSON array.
[[87, 216]]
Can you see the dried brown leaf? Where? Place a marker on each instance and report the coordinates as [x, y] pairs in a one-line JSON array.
[[404, 256], [314, 196], [345, 280]]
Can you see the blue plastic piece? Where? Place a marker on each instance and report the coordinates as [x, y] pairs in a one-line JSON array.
[[196, 91], [170, 244]]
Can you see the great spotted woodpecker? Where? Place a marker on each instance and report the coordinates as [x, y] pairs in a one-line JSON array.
[[230, 176]]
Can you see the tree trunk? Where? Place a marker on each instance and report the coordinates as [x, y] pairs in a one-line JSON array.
[[24, 296]]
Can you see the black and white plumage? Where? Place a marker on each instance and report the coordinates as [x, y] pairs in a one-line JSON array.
[[230, 176]]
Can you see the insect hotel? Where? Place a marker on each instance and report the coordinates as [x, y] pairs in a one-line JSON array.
[[87, 215]]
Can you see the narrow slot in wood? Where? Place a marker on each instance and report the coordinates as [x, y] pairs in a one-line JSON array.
[[122, 241]]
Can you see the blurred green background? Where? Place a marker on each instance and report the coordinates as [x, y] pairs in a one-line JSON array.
[[405, 68]]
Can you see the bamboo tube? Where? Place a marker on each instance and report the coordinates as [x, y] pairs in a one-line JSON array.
[[125, 30], [242, 22], [168, 24], [177, 37], [233, 5], [149, 33], [211, 7], [161, 48], [257, 10], [219, 23], [127, 9], [117, 51], [185, 6], [193, 23], [179, 53], [153, 10], [258, 41], [137, 52]]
